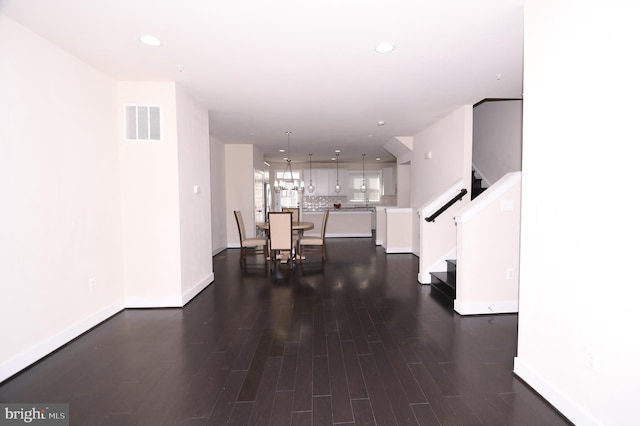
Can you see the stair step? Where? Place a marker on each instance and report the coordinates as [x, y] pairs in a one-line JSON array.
[[451, 265], [445, 282]]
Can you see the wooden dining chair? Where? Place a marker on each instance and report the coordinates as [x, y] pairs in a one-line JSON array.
[[280, 237], [308, 244], [249, 245]]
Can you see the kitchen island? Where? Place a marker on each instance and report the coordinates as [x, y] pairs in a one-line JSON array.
[[343, 222]]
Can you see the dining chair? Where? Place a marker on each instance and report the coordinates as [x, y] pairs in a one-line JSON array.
[[249, 245], [295, 217], [317, 244], [280, 237]]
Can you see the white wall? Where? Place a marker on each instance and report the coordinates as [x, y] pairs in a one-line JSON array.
[[449, 141], [150, 201], [404, 185], [239, 164], [218, 196], [497, 138], [579, 285], [195, 195], [487, 280], [60, 226]]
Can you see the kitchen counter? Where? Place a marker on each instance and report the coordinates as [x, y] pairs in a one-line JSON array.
[[343, 222]]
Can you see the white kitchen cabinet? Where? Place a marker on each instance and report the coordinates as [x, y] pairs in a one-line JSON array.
[[325, 181], [321, 181]]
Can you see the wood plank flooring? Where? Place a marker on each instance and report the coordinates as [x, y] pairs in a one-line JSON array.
[[354, 342]]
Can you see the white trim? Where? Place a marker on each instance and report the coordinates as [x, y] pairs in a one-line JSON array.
[[398, 250], [161, 302], [424, 278], [218, 250], [353, 234], [196, 289], [49, 345], [485, 307], [575, 413], [398, 210]]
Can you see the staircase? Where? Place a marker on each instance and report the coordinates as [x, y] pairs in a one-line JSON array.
[[476, 185], [445, 283]]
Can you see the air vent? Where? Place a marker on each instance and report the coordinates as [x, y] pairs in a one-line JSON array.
[[142, 122]]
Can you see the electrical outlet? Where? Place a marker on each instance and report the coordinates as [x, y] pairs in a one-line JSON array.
[[92, 283], [509, 273]]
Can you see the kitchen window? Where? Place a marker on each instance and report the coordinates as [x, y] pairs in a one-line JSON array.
[[372, 181]]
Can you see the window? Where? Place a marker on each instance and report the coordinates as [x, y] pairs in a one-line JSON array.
[[284, 187], [372, 180]]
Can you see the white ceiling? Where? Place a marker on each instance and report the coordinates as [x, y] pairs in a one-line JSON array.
[[262, 68]]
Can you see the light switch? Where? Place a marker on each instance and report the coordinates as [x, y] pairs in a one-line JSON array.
[[196, 189]]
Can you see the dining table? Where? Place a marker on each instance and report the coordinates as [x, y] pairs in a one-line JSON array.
[[299, 226]]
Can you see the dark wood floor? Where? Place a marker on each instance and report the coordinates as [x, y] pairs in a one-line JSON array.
[[355, 342]]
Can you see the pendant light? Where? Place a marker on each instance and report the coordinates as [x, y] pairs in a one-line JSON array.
[[363, 187], [310, 188], [338, 187]]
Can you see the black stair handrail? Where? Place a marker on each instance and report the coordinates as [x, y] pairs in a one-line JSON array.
[[451, 202]]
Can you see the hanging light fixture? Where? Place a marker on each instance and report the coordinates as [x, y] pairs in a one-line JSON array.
[[363, 187], [288, 183], [338, 187], [310, 188]]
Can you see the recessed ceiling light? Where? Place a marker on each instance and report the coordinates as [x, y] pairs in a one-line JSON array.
[[281, 150], [381, 123], [385, 48], [150, 40], [337, 150], [377, 158]]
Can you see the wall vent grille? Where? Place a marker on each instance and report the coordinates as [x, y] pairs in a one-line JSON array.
[[142, 122]]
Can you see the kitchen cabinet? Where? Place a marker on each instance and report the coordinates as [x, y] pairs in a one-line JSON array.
[[321, 181], [341, 223], [325, 182]]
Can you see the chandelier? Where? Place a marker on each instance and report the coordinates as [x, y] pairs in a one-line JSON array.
[[288, 183]]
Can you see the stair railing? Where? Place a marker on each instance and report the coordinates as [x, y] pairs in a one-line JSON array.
[[448, 204]]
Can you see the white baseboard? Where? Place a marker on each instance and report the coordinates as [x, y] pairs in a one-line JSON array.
[[218, 250], [151, 302], [348, 235], [485, 307], [193, 291], [575, 413], [424, 278], [47, 346], [398, 250]]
